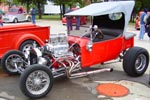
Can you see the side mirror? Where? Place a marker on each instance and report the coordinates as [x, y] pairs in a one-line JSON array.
[[89, 46]]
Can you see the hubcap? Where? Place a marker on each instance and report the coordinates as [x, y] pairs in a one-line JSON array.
[[37, 82], [140, 63]]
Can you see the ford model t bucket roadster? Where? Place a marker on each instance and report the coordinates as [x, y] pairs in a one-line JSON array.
[[64, 55]]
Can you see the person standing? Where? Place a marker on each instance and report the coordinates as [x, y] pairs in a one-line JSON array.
[[33, 14], [1, 21], [77, 20], [1, 18], [148, 25], [142, 25], [69, 22]]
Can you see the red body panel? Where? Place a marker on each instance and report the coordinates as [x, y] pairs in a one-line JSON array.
[[11, 37], [102, 51]]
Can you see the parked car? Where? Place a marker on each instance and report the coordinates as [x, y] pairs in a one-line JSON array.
[[21, 37], [83, 20], [64, 55], [16, 14], [137, 21]]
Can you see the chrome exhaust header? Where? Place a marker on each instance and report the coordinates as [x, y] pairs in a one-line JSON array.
[[82, 74]]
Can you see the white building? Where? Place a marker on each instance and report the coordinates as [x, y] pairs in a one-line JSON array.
[[50, 8]]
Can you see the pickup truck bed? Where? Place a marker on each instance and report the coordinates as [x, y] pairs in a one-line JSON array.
[[22, 36]]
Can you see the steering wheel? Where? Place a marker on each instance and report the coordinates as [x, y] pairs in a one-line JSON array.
[[97, 33]]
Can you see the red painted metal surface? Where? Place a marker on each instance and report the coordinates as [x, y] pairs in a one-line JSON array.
[[11, 37], [102, 51]]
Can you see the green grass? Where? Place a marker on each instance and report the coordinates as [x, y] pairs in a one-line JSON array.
[[49, 17], [132, 23]]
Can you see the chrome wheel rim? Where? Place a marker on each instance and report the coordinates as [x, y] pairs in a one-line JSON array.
[[13, 62], [140, 62], [37, 82], [26, 48]]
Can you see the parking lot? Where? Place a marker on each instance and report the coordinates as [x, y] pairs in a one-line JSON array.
[[84, 88]]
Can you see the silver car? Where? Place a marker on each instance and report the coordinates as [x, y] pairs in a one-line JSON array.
[[16, 15]]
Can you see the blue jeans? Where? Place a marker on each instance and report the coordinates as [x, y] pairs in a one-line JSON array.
[[69, 25], [33, 19], [1, 24], [77, 22], [142, 31]]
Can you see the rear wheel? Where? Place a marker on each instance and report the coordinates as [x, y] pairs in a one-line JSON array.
[[12, 61], [15, 20], [29, 19], [135, 61], [36, 81], [26, 46]]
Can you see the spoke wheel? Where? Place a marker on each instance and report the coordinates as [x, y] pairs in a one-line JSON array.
[[36, 81], [12, 61]]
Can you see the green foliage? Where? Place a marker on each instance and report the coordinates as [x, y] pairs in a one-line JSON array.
[[141, 4], [49, 17], [70, 3], [138, 5]]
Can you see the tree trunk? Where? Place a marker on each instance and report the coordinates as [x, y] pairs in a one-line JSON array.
[[63, 8], [61, 12], [28, 3], [39, 9]]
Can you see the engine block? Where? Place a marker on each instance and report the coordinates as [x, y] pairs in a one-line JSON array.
[[59, 45]]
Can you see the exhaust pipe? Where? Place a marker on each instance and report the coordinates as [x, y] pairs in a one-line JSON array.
[[82, 74]]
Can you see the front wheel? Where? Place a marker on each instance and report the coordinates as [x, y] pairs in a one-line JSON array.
[[36, 81], [135, 61], [13, 61]]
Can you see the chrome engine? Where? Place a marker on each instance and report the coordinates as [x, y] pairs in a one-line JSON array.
[[57, 55], [59, 46]]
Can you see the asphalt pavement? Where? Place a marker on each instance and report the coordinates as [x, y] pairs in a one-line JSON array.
[[84, 88]]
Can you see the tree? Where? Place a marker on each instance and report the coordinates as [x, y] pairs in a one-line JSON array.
[[141, 4], [66, 3], [26, 2], [37, 3], [6, 1]]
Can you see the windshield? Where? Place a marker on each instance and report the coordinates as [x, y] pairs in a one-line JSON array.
[[13, 10]]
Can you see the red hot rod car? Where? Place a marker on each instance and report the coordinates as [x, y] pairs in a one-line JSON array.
[[65, 55]]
